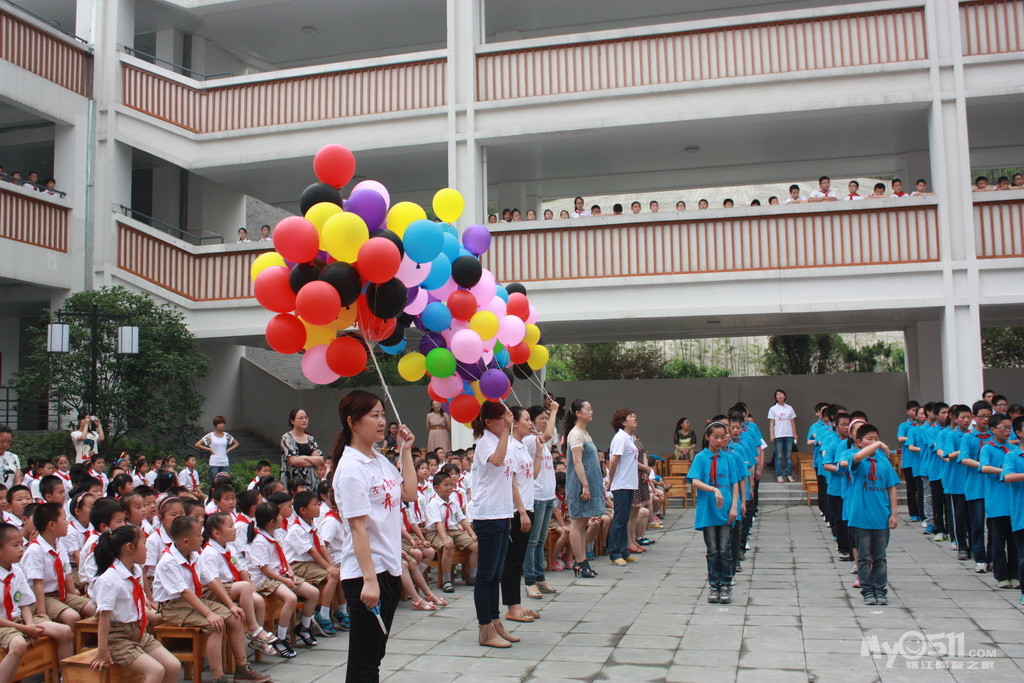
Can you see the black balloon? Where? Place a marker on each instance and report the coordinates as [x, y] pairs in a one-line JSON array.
[[404, 319], [303, 273], [522, 371], [396, 337], [515, 287], [316, 193], [395, 239], [345, 278], [466, 271], [386, 300]]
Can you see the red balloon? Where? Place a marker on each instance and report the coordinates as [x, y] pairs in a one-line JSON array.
[[462, 304], [318, 303], [433, 395], [373, 328], [520, 353], [286, 334], [273, 289], [334, 165], [378, 260], [464, 408], [518, 305], [296, 239], [346, 356]]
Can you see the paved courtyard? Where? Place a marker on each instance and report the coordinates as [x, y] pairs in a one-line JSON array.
[[794, 617]]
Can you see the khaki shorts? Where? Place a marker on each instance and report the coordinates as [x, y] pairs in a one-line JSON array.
[[54, 605], [179, 613], [460, 538], [270, 585], [7, 633], [310, 571], [125, 645]]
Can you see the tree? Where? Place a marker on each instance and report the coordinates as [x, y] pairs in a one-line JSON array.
[[612, 360], [677, 367], [1002, 347], [151, 394], [804, 354]]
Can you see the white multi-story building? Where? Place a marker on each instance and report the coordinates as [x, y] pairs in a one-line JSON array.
[[160, 117]]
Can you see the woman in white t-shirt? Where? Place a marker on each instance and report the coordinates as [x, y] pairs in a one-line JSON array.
[[219, 443], [543, 499], [781, 430], [525, 466], [623, 479], [86, 439], [369, 492]]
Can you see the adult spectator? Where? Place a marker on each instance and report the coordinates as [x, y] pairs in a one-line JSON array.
[[702, 205], [1018, 181], [578, 211], [301, 457], [243, 235], [584, 486], [595, 210], [548, 214], [517, 216], [852, 196], [781, 431], [684, 439], [824, 193], [439, 425], [728, 203], [563, 214], [794, 195], [622, 483], [635, 207], [218, 443], [897, 189], [492, 218], [680, 205], [265, 234], [531, 215], [921, 189], [86, 438], [653, 206], [616, 209], [981, 184], [10, 464]]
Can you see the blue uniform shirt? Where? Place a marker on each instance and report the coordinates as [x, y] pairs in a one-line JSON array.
[[726, 474], [1013, 463], [956, 474], [905, 427], [910, 458], [748, 460], [833, 456], [997, 493], [970, 448], [869, 498], [815, 433]]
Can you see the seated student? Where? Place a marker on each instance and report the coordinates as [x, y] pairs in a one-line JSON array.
[[97, 468], [222, 499], [219, 560], [148, 496], [62, 469], [308, 556], [167, 511], [872, 503], [981, 185], [28, 532], [189, 476], [794, 195], [106, 514], [43, 468], [897, 189], [47, 566], [18, 498], [140, 471], [262, 470], [120, 485], [158, 464], [245, 508], [332, 532], [273, 576], [178, 586], [121, 609], [51, 490], [824, 193], [271, 487], [853, 187], [1005, 563], [448, 529], [78, 528], [284, 502], [19, 627], [878, 193], [921, 189]]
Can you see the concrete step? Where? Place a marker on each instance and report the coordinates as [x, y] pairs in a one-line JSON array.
[[253, 447]]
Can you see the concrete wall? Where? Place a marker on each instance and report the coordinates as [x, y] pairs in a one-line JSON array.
[[222, 387], [1006, 381]]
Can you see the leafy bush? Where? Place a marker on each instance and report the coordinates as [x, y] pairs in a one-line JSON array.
[[683, 368]]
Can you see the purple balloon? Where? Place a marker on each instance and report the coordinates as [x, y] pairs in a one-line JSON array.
[[477, 239], [470, 371], [410, 295], [431, 341], [369, 206], [494, 384]]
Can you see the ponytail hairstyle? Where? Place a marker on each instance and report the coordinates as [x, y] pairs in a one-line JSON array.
[[488, 411], [117, 483], [265, 514], [214, 522], [139, 462], [165, 479], [570, 416], [111, 543], [354, 406]]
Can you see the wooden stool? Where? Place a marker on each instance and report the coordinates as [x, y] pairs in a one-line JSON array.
[[86, 633], [549, 547], [77, 669], [273, 615], [40, 658], [187, 644], [458, 557]]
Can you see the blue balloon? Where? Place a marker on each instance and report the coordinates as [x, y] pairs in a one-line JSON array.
[[451, 247], [450, 229], [466, 252], [502, 293], [423, 240], [502, 358], [440, 272], [436, 317], [394, 350]]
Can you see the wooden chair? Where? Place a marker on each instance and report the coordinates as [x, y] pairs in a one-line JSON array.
[[811, 487], [273, 615], [40, 658], [678, 489], [77, 669], [86, 633], [678, 467], [187, 644]]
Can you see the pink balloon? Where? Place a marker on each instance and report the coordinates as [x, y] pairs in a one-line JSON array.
[[445, 290], [447, 387], [459, 325], [532, 318], [412, 274], [497, 306], [419, 303], [511, 330], [487, 356], [484, 290], [466, 346], [314, 366], [376, 187]]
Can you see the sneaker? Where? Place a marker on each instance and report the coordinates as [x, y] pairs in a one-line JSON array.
[[962, 555], [952, 544], [881, 599], [244, 673], [845, 557], [448, 587], [747, 546], [979, 568], [306, 636], [283, 648], [325, 625], [713, 595], [737, 568], [732, 582], [939, 537], [725, 596], [930, 529], [342, 621], [1005, 583], [630, 558], [870, 599], [915, 519], [620, 562], [1014, 583]]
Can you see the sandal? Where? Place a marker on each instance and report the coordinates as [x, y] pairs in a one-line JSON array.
[[440, 602], [545, 588], [448, 587], [423, 606], [533, 592], [524, 617], [530, 613]]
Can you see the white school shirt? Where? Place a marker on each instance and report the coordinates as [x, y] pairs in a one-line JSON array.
[[39, 564], [627, 474], [147, 528], [437, 509], [213, 561], [333, 532], [21, 591], [821, 193], [901, 195], [33, 486], [104, 479], [150, 477], [522, 467], [299, 540], [371, 488], [172, 577], [579, 214], [211, 507], [137, 480], [790, 200], [156, 544], [492, 485], [11, 519], [241, 529], [87, 560], [782, 416], [75, 537], [544, 484], [189, 479], [262, 552], [252, 484], [65, 479], [113, 592], [852, 197]]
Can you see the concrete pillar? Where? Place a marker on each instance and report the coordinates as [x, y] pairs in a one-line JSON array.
[[169, 45], [922, 344], [84, 27], [221, 387], [961, 353]]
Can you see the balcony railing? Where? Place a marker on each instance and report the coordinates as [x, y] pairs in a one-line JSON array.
[[778, 238], [45, 53], [999, 224], [33, 220], [193, 274], [992, 26], [778, 47], [258, 101]]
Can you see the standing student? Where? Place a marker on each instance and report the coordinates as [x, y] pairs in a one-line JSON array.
[[909, 458], [746, 460], [948, 449], [937, 472], [920, 442], [584, 483], [717, 482], [524, 466], [782, 431], [219, 443], [623, 478], [369, 491], [974, 484], [543, 499], [997, 502], [1013, 475], [815, 435], [831, 457], [872, 501]]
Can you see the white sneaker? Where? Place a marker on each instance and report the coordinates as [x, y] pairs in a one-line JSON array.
[[747, 547], [939, 537], [952, 545], [979, 568]]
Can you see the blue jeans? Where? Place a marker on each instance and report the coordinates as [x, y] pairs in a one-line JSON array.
[[217, 469], [617, 537], [492, 538], [718, 540], [533, 566], [783, 452], [871, 563]]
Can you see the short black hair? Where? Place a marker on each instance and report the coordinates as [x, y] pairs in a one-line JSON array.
[[440, 477], [303, 498], [222, 491], [103, 510], [247, 500], [49, 484], [975, 407], [46, 513], [182, 526], [262, 463], [6, 529], [280, 498], [14, 489]]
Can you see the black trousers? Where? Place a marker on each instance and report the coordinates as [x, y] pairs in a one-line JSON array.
[[1004, 549], [366, 641], [960, 526], [822, 487], [512, 573], [938, 506], [839, 527], [912, 493]]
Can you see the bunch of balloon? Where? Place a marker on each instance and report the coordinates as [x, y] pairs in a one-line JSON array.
[[356, 274]]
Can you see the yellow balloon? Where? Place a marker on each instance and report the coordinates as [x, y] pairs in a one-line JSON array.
[[318, 215], [318, 334], [538, 357], [532, 334], [264, 261], [402, 214], [346, 318], [342, 236], [448, 204], [479, 395], [485, 324], [412, 366]]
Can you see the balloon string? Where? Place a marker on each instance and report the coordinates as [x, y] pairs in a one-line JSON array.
[[384, 384]]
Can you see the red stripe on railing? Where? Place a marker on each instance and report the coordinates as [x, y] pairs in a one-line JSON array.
[[999, 228], [35, 50], [33, 221], [992, 26]]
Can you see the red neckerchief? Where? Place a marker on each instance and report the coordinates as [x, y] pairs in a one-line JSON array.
[[714, 469], [333, 513], [139, 598], [58, 569], [65, 477], [8, 598], [242, 518], [235, 574], [281, 557], [851, 196], [196, 585]]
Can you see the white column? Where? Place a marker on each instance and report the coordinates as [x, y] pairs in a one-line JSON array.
[[84, 27], [961, 353], [465, 163], [922, 345]]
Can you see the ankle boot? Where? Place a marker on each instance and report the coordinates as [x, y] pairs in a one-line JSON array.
[[499, 628], [490, 638]]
